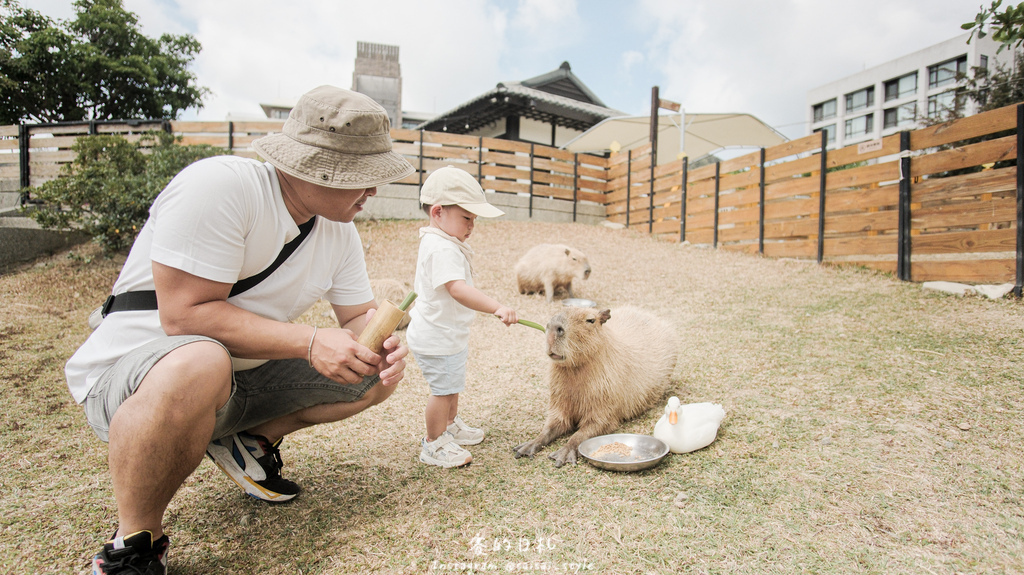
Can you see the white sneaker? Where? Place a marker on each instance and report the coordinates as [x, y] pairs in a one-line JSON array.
[[444, 452], [464, 434]]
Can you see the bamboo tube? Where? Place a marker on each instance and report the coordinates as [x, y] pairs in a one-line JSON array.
[[383, 323]]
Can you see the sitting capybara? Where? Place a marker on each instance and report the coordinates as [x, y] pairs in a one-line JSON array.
[[395, 291], [548, 267], [605, 369]]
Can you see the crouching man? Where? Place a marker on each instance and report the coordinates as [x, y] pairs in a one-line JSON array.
[[196, 353]]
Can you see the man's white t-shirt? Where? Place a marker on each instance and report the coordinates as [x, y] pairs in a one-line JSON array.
[[439, 325], [224, 219]]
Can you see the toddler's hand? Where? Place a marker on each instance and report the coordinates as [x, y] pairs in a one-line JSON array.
[[507, 315]]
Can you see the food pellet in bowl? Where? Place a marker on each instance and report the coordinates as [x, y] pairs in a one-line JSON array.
[[616, 448]]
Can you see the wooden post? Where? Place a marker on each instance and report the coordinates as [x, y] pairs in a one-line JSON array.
[[821, 196]]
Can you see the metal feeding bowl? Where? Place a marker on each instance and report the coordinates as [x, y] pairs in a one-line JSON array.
[[624, 451], [579, 302]]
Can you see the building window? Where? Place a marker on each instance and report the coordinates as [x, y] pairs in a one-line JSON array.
[[830, 130], [984, 62], [940, 104], [900, 116], [900, 87], [860, 126], [945, 72], [825, 110], [860, 99]]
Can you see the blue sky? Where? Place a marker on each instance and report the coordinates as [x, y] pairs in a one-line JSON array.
[[746, 56]]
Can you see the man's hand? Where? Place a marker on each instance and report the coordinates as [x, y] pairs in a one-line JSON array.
[[336, 354], [392, 365], [354, 360]]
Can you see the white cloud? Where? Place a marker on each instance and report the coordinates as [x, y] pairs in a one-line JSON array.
[[546, 25], [746, 56], [762, 58], [258, 51]]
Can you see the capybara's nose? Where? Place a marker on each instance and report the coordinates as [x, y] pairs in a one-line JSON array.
[[586, 272], [555, 328]]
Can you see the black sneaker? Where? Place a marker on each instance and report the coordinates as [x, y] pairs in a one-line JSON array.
[[254, 464], [137, 554]]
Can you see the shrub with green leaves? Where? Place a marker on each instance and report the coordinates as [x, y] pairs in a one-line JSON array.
[[107, 190]]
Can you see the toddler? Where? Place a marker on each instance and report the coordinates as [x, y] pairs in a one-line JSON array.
[[438, 333]]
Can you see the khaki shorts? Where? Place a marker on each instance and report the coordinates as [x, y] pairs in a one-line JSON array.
[[272, 390]]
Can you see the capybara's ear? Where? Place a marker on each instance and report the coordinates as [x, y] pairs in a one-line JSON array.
[[604, 315]]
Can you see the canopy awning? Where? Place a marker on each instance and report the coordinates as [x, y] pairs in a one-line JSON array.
[[705, 134]]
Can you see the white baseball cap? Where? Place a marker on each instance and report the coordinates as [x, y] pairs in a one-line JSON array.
[[450, 186]]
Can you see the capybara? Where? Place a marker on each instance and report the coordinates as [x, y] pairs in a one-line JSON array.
[[549, 267], [394, 290], [606, 368]]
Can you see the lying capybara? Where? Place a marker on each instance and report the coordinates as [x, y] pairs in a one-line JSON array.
[[549, 267], [605, 369], [395, 291]]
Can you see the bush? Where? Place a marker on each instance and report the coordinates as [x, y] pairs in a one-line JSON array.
[[107, 190]]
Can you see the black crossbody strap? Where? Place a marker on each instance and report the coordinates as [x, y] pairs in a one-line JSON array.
[[146, 299]]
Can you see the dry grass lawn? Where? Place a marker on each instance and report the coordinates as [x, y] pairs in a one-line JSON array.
[[871, 427]]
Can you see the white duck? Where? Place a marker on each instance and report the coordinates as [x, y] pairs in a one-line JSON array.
[[689, 427]]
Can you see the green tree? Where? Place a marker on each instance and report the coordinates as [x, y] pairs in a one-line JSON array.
[[107, 190], [991, 89], [1007, 26], [98, 66]]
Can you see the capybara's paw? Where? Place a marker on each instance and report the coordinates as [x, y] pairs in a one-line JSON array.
[[526, 449], [563, 456]]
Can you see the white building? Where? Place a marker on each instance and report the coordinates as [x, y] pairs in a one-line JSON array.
[[891, 97]]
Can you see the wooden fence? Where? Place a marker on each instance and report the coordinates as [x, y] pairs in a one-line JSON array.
[[936, 203], [930, 204]]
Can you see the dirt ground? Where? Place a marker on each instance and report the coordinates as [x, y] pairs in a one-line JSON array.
[[871, 427]]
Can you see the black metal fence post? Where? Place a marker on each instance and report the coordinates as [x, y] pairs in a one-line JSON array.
[[231, 137], [718, 181], [575, 184], [629, 181], [760, 210], [480, 161], [421, 159], [650, 198], [903, 231], [531, 180], [24, 180], [821, 196], [1020, 202], [682, 201]]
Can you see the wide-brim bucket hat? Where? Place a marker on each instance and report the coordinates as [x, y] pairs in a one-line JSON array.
[[338, 139]]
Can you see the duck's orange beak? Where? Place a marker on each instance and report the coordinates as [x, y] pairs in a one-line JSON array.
[[673, 417]]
